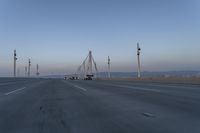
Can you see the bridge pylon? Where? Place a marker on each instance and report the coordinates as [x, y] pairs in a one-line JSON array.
[[86, 69]]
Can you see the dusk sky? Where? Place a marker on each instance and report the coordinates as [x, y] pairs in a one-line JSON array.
[[58, 34]]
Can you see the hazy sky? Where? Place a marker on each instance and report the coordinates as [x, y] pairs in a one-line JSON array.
[[57, 34]]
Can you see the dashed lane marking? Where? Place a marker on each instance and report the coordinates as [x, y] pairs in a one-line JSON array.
[[81, 88], [11, 92]]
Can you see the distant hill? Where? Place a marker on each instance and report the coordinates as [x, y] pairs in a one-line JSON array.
[[153, 74], [54, 76]]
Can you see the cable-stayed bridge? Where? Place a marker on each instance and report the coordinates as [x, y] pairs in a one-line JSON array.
[[88, 69]]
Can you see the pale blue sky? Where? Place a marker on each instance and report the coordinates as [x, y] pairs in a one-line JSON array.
[[57, 34]]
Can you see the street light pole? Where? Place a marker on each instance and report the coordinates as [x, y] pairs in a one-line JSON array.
[[138, 59]]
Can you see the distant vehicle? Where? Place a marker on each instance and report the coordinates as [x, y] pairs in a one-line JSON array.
[[74, 78], [89, 77]]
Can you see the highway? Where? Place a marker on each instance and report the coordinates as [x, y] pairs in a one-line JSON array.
[[62, 106]]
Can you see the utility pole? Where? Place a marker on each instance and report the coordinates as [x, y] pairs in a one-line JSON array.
[[15, 60], [109, 67], [29, 67], [18, 72], [138, 58], [37, 72], [26, 69]]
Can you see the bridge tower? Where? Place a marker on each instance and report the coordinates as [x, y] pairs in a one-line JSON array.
[[86, 68], [89, 74]]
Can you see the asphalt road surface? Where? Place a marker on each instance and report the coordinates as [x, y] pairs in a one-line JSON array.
[[59, 106]]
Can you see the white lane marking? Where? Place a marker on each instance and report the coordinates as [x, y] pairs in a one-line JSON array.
[[76, 86], [146, 114], [137, 88], [15, 91], [134, 87], [81, 88]]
